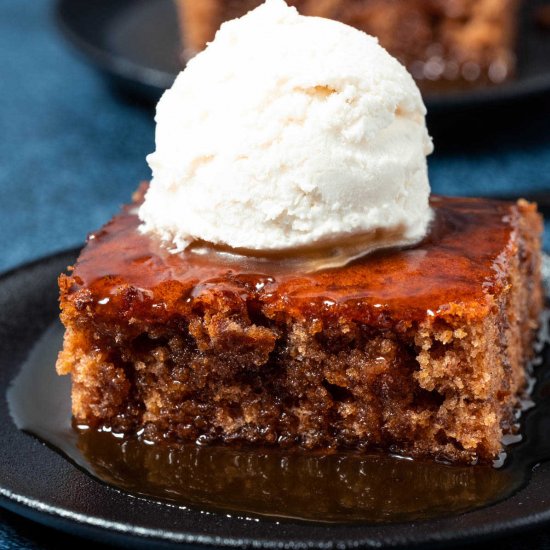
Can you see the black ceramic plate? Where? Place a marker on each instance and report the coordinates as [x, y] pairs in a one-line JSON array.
[[38, 483], [136, 43]]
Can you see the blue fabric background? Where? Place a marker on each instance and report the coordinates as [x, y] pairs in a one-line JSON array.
[[71, 152]]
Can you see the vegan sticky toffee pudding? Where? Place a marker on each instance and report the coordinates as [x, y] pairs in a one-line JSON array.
[[419, 351]]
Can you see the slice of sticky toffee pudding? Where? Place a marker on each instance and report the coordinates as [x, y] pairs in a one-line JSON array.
[[420, 351]]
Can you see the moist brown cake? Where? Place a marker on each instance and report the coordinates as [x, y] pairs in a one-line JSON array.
[[443, 43], [420, 351]]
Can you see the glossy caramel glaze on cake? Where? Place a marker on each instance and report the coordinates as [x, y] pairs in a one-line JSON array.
[[420, 351], [457, 263]]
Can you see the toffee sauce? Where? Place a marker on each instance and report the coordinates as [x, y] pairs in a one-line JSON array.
[[124, 273], [344, 487]]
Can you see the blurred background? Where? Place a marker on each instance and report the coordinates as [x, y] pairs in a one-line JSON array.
[[80, 80], [79, 83]]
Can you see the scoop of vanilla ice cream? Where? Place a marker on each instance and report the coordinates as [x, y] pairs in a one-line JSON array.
[[288, 132]]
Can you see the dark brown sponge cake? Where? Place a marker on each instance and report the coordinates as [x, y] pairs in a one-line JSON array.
[[420, 351]]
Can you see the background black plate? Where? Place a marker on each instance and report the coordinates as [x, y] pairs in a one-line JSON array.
[[38, 483], [136, 43]]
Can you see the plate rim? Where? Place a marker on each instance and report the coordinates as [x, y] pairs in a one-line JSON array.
[[115, 65]]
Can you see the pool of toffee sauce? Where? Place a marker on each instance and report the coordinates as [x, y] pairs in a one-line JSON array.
[[343, 487]]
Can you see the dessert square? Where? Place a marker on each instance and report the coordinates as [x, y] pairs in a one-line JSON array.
[[420, 351], [442, 43]]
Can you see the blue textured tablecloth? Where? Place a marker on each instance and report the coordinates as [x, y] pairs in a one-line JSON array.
[[71, 152]]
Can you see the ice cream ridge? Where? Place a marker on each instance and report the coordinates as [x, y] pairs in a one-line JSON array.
[[289, 132]]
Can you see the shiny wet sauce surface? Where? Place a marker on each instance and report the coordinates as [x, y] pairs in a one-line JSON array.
[[458, 262], [271, 484]]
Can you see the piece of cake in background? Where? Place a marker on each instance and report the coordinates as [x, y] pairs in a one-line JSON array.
[[445, 44]]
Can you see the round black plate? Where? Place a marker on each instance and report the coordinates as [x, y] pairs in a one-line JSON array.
[[38, 483], [136, 43]]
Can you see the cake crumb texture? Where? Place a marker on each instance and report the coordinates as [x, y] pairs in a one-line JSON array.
[[189, 360]]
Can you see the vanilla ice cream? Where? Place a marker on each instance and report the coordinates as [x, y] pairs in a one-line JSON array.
[[289, 132]]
